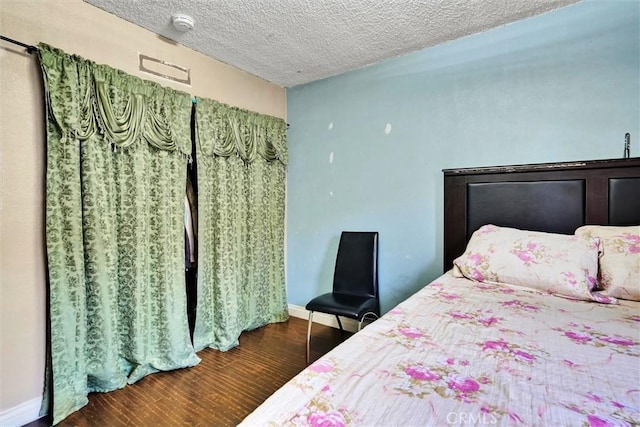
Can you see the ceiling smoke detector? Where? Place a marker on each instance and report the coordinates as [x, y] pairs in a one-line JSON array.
[[182, 23]]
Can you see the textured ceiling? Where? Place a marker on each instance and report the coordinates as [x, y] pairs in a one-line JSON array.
[[290, 42]]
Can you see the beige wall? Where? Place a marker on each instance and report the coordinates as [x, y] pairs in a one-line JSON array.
[[79, 28]]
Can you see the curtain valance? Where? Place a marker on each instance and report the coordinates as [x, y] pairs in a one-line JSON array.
[[85, 98], [224, 131]]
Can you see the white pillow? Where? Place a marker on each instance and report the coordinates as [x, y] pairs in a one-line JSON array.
[[619, 273], [555, 263]]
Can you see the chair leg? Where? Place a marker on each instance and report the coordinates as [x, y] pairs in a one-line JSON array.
[[340, 324], [363, 317], [309, 334]]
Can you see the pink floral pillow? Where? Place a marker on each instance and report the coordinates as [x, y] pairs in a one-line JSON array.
[[619, 274], [555, 263]]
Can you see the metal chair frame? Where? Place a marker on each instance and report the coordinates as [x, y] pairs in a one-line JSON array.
[[310, 322]]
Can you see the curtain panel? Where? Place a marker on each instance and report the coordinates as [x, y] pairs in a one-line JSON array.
[[117, 150], [242, 159]]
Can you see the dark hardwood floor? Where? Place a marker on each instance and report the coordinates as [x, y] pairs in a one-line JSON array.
[[220, 391]]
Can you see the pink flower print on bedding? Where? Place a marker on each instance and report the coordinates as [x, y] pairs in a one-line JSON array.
[[408, 336], [479, 317], [321, 366], [411, 332], [579, 337], [505, 351], [488, 321], [495, 345], [527, 254], [464, 386], [633, 242], [421, 373], [326, 419], [460, 315], [617, 340], [487, 229], [586, 335], [475, 264], [444, 379]]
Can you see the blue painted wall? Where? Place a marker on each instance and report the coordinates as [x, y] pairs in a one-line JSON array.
[[366, 148]]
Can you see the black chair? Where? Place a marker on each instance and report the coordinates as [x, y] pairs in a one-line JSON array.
[[355, 282]]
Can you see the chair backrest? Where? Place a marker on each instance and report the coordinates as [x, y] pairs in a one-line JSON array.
[[356, 271]]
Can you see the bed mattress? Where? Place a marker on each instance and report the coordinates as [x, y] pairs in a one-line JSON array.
[[460, 352]]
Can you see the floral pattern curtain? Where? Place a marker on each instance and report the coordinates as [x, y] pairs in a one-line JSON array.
[[117, 150], [242, 159]]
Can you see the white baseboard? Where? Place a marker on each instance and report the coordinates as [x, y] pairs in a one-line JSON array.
[[323, 318], [22, 414]]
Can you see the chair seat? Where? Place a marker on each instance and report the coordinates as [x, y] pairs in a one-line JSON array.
[[345, 305]]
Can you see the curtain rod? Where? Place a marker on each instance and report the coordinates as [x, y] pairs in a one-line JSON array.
[[30, 49]]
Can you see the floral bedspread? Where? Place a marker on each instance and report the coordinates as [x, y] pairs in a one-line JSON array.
[[465, 353]]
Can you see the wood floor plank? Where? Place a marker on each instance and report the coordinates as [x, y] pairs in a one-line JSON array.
[[220, 391]]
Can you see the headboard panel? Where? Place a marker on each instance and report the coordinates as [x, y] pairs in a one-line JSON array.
[[551, 197], [556, 206], [624, 201]]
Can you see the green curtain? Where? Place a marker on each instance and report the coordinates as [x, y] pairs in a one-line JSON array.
[[241, 157], [117, 150]]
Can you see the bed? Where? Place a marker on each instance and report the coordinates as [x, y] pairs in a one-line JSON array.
[[495, 341]]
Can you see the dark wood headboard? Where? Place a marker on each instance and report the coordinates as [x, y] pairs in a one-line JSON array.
[[551, 197]]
